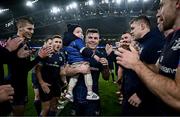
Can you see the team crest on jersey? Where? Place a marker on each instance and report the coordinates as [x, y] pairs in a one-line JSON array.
[[60, 58], [161, 58], [176, 45], [140, 49]]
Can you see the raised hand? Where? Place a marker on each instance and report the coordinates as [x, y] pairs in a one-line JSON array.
[[127, 58], [108, 49], [24, 52], [13, 44], [45, 51]]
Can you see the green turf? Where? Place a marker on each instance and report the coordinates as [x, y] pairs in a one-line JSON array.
[[107, 91], [5, 70], [109, 102], [30, 109]]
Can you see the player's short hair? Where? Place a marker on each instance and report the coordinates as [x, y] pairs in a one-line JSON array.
[[126, 33], [23, 20], [143, 19], [92, 30], [56, 36], [48, 38]]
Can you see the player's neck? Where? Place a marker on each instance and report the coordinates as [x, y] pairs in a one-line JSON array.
[[177, 24], [21, 35], [94, 50], [167, 32], [145, 32]]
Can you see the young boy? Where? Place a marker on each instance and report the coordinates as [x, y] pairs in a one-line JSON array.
[[77, 55]]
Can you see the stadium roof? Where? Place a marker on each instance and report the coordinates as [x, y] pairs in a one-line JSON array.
[[110, 16], [18, 8]]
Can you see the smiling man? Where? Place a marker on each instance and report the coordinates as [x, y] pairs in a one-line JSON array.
[[138, 100], [49, 78], [21, 65], [82, 105]]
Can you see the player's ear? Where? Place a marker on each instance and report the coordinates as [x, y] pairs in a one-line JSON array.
[[20, 29]]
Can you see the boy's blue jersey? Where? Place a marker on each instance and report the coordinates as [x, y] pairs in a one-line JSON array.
[[73, 51]]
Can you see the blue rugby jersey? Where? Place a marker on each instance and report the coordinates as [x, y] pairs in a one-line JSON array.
[[73, 51], [51, 66]]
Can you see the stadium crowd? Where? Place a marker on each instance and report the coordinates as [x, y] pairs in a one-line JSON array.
[[146, 59]]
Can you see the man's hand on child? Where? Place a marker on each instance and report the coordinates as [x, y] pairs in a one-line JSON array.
[[103, 61], [96, 58], [84, 68]]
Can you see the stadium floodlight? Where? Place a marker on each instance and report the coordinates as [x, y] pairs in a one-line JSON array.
[[71, 6], [74, 5], [105, 1], [129, 1], [67, 8], [55, 10], [30, 3], [3, 10], [145, 0], [90, 2], [118, 1]]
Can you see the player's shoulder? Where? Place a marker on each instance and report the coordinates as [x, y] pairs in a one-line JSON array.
[[177, 33]]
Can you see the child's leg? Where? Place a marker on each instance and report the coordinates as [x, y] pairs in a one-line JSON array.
[[72, 84], [88, 82], [88, 79], [90, 94]]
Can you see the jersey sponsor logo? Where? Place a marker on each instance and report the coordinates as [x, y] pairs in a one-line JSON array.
[[159, 51], [94, 69], [161, 58], [176, 45], [55, 62], [53, 65], [168, 70]]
